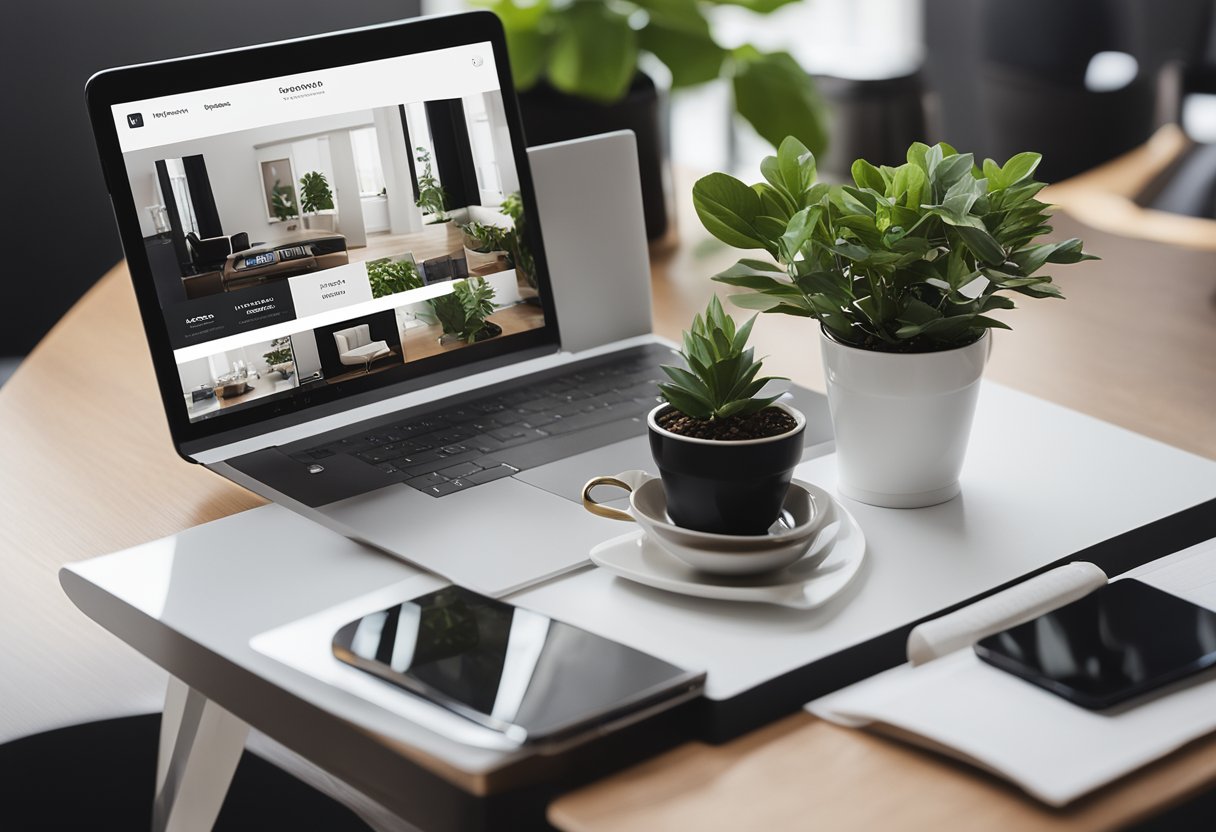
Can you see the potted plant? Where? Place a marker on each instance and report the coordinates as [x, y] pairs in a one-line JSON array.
[[726, 454], [575, 64], [462, 312], [315, 196], [389, 277], [519, 256], [901, 270], [485, 245], [431, 197], [280, 358]]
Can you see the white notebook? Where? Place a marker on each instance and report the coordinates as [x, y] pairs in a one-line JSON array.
[[1055, 751]]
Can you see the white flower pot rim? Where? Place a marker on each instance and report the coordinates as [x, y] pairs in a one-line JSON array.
[[799, 418], [826, 333]]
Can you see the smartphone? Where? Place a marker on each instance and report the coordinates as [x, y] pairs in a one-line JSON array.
[[1121, 641], [518, 672]]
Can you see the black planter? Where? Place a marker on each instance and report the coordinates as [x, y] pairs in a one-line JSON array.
[[725, 487], [552, 116]]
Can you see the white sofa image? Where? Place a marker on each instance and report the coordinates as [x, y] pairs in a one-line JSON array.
[[355, 347]]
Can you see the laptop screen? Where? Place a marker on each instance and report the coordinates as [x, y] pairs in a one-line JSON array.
[[332, 231]]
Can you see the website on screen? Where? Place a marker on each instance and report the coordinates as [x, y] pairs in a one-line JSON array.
[[324, 227]]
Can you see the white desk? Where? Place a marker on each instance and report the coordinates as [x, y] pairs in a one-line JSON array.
[[1040, 483]]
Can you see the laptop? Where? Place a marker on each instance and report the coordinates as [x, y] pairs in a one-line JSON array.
[[368, 301]]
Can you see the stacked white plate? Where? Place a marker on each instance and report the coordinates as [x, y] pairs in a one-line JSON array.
[[809, 555]]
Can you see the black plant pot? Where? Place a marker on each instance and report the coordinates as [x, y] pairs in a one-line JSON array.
[[552, 116], [725, 487], [491, 330]]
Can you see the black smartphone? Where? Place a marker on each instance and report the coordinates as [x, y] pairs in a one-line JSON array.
[[1119, 642], [515, 671]]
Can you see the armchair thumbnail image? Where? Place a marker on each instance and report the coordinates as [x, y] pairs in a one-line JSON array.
[[355, 347]]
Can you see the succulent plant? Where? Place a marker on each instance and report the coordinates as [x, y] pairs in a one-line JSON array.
[[720, 381]]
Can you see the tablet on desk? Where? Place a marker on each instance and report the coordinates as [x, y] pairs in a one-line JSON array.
[[528, 676], [1122, 641]]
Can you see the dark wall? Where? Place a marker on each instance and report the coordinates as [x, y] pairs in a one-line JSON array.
[[383, 326], [55, 201], [1009, 76], [453, 152]]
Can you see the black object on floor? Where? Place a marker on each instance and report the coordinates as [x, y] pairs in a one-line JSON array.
[[1193, 814], [100, 776]]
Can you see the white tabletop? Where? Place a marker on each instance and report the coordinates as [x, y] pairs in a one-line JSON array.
[[1040, 482]]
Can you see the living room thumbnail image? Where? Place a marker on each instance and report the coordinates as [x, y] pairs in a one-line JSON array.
[[329, 354], [425, 190], [475, 309], [238, 377]]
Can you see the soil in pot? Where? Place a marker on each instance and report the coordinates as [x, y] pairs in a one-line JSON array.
[[771, 421]]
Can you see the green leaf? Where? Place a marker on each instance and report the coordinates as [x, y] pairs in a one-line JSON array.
[[759, 6], [866, 175], [684, 402], [1019, 167], [853, 201], [678, 35], [796, 164], [687, 381], [728, 209], [910, 182], [918, 156], [594, 53], [917, 312], [797, 232], [950, 170], [744, 332], [989, 323], [527, 44], [1040, 290], [759, 302], [791, 172], [992, 172], [777, 97], [774, 202]]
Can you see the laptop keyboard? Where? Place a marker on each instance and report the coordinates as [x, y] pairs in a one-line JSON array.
[[489, 438]]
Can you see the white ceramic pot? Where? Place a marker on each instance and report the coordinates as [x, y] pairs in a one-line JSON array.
[[902, 420]]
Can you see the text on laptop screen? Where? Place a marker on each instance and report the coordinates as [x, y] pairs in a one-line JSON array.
[[330, 226]]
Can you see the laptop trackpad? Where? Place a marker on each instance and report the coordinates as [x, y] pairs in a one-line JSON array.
[[567, 477]]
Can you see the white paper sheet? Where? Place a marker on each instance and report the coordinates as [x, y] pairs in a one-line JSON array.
[[1055, 751]]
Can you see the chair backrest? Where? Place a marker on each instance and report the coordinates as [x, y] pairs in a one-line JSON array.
[[353, 337], [437, 269], [208, 252]]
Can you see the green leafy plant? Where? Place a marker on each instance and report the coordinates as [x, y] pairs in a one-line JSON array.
[[283, 201], [388, 277], [463, 311], [521, 257], [590, 48], [720, 381], [432, 199], [315, 194], [280, 353], [906, 259], [484, 238]]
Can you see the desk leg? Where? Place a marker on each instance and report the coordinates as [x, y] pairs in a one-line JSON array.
[[200, 746]]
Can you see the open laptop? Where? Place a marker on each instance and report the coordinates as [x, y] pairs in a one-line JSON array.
[[434, 381]]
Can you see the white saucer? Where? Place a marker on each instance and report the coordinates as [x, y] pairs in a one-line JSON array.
[[802, 585]]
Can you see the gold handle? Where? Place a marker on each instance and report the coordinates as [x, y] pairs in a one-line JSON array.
[[602, 510]]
